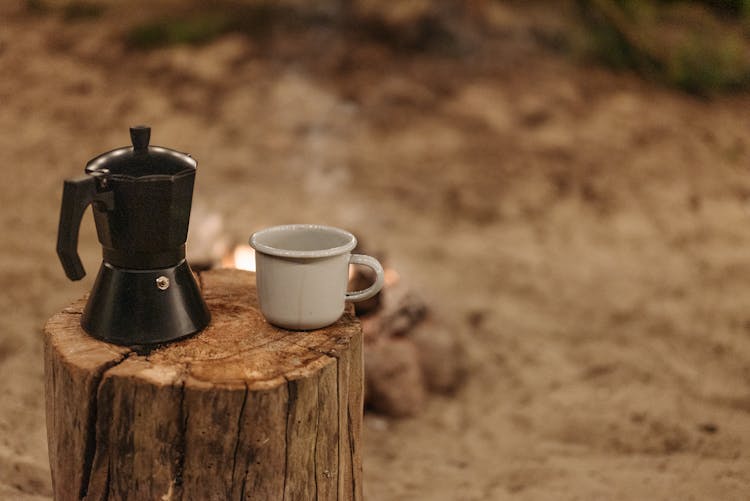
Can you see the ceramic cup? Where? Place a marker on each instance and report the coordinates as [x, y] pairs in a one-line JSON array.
[[302, 271]]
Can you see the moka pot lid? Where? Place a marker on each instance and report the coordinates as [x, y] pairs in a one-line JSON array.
[[141, 162]]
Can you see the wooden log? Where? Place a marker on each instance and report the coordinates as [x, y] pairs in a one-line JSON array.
[[243, 410]]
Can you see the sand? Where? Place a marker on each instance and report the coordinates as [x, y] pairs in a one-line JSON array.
[[586, 233]]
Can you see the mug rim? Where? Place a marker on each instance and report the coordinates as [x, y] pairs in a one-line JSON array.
[[275, 251]]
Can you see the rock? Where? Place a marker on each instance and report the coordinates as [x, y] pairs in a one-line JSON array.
[[441, 356], [394, 384]]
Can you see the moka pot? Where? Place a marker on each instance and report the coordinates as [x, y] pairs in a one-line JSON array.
[[145, 292]]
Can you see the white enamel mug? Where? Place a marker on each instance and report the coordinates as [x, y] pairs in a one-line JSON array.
[[302, 271]]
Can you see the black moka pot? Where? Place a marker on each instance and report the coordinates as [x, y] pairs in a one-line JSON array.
[[145, 292]]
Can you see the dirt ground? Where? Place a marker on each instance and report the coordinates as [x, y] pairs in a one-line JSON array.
[[587, 233]]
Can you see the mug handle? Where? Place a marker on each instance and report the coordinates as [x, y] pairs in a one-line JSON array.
[[373, 263]]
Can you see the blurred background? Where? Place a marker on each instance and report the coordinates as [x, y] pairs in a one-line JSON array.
[[561, 187]]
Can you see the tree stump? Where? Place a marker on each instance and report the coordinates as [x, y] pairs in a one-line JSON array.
[[243, 410]]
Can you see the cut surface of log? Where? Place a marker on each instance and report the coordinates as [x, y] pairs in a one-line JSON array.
[[242, 410]]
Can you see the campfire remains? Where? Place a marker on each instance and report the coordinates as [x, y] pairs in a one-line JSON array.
[[408, 352]]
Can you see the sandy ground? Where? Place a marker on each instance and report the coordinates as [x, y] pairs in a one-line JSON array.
[[586, 232]]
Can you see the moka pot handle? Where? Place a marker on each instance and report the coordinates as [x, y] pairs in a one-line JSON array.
[[78, 193]]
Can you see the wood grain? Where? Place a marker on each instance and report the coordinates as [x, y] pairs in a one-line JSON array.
[[243, 410]]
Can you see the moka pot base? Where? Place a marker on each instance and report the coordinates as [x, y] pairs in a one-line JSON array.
[[133, 307]]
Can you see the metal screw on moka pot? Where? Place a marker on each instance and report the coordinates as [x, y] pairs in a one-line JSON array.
[[162, 283], [141, 198]]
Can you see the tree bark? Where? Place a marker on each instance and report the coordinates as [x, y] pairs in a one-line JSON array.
[[242, 410]]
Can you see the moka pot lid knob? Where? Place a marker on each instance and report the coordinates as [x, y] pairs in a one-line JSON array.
[[140, 135]]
